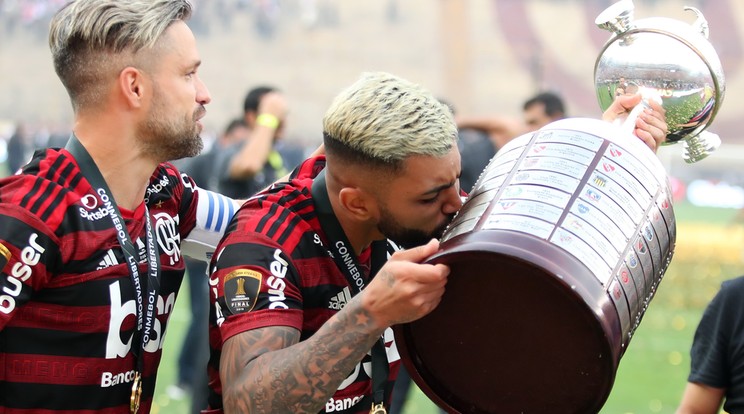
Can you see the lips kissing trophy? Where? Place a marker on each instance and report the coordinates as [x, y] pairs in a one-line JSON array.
[[565, 237]]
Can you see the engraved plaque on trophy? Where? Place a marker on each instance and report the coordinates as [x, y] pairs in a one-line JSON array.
[[557, 253]]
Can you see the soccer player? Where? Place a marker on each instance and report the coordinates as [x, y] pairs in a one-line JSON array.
[[92, 235], [303, 292]]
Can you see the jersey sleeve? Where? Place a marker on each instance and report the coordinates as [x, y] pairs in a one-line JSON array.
[[27, 251], [254, 285], [213, 214], [710, 352]]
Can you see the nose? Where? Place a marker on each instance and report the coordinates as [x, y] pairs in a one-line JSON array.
[[202, 93], [453, 201]]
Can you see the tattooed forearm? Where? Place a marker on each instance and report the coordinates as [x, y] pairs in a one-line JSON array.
[[268, 371]]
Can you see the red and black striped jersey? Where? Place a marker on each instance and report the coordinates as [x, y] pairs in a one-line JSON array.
[[272, 268], [67, 302]]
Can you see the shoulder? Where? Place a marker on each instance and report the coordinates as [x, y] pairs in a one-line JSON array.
[[730, 293], [46, 189], [169, 182], [284, 215]]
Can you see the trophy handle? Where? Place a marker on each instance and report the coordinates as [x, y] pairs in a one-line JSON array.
[[700, 146], [618, 18]]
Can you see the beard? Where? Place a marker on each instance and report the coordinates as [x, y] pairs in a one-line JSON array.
[[166, 139], [408, 237]]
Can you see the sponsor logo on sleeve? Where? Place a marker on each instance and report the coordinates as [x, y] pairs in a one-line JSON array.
[[20, 272], [241, 289]]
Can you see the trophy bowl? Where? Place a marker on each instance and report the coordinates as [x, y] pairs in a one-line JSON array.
[[553, 258], [666, 60]]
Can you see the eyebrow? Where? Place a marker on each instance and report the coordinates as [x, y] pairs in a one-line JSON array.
[[438, 189]]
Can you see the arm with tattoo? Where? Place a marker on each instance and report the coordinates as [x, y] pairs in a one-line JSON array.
[[268, 370]]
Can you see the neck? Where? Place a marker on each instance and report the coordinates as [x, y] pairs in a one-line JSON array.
[[359, 234], [123, 168]]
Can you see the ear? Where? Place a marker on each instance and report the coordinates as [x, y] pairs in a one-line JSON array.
[[250, 118], [359, 203], [132, 86]]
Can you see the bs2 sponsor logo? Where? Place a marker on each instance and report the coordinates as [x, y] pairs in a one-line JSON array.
[[116, 346]]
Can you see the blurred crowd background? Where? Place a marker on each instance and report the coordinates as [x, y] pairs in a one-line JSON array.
[[483, 57]]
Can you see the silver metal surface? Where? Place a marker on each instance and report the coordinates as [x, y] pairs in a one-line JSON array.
[[665, 60]]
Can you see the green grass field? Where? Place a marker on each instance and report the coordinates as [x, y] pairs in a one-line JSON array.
[[653, 371]]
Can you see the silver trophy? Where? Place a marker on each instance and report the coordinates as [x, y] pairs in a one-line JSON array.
[[665, 60]]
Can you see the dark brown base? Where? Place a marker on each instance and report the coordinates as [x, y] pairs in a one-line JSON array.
[[523, 328]]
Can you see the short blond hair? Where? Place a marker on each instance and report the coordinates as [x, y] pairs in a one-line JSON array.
[[92, 40], [382, 119]]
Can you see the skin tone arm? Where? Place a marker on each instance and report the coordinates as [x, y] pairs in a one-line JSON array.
[[650, 126], [268, 370], [252, 157], [500, 129], [701, 399]]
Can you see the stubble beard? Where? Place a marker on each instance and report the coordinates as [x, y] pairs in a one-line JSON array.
[[165, 139], [407, 237]]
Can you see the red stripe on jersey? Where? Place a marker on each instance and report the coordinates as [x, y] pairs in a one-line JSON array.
[[260, 319], [62, 370], [83, 319], [144, 408]]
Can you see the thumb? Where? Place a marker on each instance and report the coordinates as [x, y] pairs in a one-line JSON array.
[[420, 253], [621, 106], [627, 102]]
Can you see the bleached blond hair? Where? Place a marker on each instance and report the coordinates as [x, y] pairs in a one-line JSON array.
[[382, 119], [93, 40]]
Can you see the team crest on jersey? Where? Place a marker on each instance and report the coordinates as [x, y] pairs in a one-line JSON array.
[[4, 256], [241, 289], [169, 239]]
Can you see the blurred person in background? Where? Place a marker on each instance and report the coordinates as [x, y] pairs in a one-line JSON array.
[[482, 136], [248, 166], [537, 111], [20, 148], [717, 355]]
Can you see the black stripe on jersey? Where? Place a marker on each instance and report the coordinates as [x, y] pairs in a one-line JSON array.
[[278, 222], [95, 292], [48, 189], [232, 225], [54, 167], [262, 223], [73, 180], [33, 166], [54, 204], [289, 230], [307, 206], [62, 179], [30, 195], [36, 341], [68, 397], [240, 254]]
